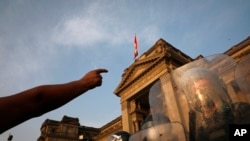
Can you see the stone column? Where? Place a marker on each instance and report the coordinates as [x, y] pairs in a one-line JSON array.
[[136, 115], [126, 120]]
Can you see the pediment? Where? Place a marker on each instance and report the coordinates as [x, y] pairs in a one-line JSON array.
[[141, 66]]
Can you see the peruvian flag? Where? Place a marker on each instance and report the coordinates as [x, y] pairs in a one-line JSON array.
[[135, 47]]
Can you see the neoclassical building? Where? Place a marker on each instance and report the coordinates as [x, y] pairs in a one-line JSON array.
[[155, 64]]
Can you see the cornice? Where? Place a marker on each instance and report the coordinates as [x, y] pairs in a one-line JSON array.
[[239, 50], [110, 127]]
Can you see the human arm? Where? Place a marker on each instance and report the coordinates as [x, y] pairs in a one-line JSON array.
[[36, 101]]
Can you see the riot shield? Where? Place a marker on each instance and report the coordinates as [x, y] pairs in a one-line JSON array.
[[158, 126], [242, 74], [242, 86], [160, 132], [208, 75], [215, 91]]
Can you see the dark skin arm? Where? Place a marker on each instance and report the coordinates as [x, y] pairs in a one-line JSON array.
[[37, 101]]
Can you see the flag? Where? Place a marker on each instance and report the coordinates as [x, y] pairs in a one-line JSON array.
[[135, 47]]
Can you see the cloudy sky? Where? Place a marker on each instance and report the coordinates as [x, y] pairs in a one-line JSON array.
[[57, 41]]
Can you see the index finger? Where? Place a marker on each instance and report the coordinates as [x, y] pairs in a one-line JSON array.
[[101, 70]]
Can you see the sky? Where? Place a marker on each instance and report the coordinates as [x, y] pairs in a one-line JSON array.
[[58, 41]]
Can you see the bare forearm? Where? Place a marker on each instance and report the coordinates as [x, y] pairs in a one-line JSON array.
[[37, 101], [34, 102]]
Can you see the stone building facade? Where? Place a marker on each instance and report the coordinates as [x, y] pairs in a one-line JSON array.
[[155, 64], [68, 129], [65, 129]]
